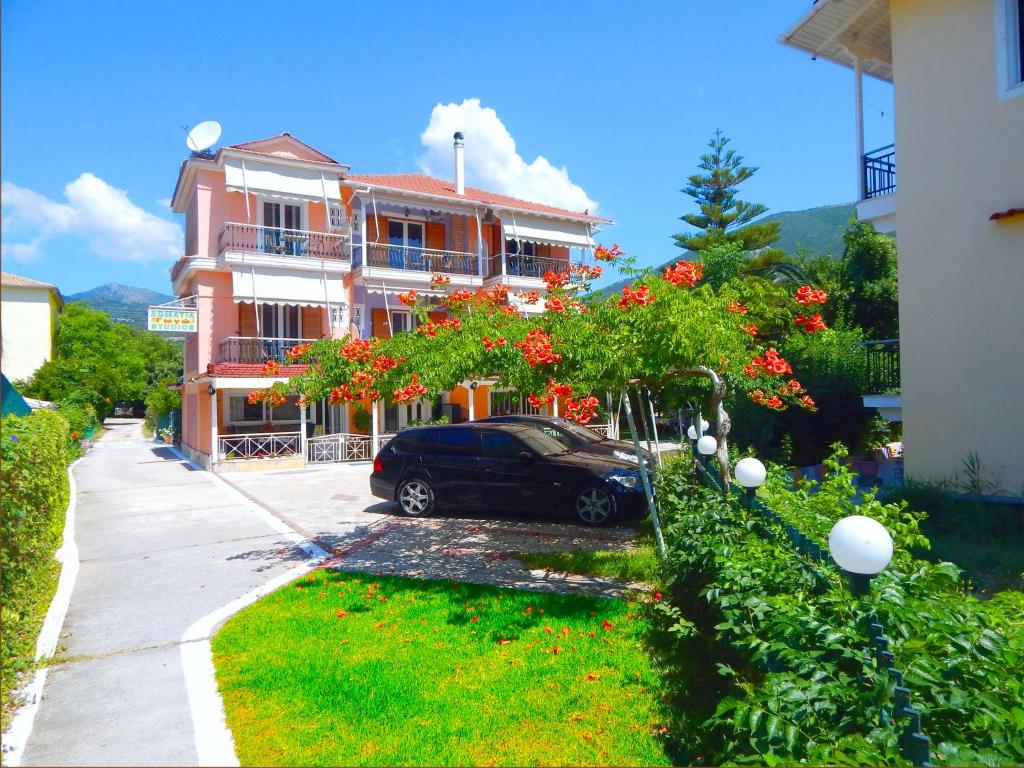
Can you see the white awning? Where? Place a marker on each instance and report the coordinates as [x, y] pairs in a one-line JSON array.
[[547, 231], [286, 182], [270, 287]]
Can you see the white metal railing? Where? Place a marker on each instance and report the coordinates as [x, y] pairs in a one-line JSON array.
[[260, 445], [280, 241], [601, 429], [338, 447], [417, 259], [256, 349]]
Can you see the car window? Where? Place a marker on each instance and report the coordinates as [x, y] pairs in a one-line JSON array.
[[556, 434], [458, 440], [541, 443], [498, 445], [581, 433], [416, 440]]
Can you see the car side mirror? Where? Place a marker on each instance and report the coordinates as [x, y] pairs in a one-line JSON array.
[[525, 456]]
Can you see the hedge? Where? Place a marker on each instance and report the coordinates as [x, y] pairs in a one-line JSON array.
[[34, 491], [766, 649]]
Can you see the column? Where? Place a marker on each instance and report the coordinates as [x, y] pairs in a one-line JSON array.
[[472, 400], [858, 89], [214, 443], [374, 428], [302, 431]]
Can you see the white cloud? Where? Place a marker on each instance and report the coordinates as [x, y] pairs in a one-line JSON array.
[[491, 159], [112, 224]]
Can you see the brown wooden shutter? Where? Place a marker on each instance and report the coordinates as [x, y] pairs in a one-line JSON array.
[[435, 236], [247, 320], [379, 323], [312, 322]]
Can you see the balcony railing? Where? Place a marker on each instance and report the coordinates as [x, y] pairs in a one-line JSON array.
[[276, 241], [255, 349], [883, 366], [516, 265], [415, 259], [262, 445], [880, 172]]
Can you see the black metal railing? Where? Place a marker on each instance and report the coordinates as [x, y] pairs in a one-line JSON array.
[[276, 241], [256, 349], [421, 259], [880, 172], [517, 265], [883, 366]]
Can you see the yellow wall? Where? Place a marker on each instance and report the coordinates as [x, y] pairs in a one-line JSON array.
[[960, 157]]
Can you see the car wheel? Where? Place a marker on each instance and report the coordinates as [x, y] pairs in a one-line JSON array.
[[415, 498], [594, 506]]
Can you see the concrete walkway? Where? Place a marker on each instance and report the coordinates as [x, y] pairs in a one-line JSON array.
[[160, 547]]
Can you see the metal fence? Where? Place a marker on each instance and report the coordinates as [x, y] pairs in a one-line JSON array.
[[880, 172], [605, 430], [409, 257], [915, 746], [278, 241], [883, 366], [255, 349], [521, 265], [339, 447], [260, 445]]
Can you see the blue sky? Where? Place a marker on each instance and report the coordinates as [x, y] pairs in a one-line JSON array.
[[624, 98]]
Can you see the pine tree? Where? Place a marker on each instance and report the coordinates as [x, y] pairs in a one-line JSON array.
[[722, 217]]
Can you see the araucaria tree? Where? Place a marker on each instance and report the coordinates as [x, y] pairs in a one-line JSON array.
[[723, 218], [666, 332]]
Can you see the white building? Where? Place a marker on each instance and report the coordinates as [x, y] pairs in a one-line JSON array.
[[28, 322]]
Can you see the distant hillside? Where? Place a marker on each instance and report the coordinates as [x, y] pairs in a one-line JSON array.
[[818, 230], [126, 304]]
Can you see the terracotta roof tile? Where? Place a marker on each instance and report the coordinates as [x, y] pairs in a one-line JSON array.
[[428, 185], [17, 281], [251, 370]]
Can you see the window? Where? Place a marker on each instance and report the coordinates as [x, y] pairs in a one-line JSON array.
[[1010, 47], [457, 440], [400, 321], [520, 248], [280, 321], [497, 445], [240, 411], [335, 217], [416, 440], [288, 412], [282, 215], [407, 233]]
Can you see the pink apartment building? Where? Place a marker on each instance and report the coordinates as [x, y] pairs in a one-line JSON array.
[[283, 245]]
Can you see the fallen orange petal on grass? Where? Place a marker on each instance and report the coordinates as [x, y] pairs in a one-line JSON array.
[[591, 676], [342, 614], [503, 641]]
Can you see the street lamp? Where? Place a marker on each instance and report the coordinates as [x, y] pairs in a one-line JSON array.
[[862, 547], [751, 474], [691, 431], [707, 445]]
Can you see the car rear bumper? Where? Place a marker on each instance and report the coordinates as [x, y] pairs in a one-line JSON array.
[[382, 488]]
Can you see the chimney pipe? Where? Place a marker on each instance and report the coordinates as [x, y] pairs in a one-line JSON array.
[[460, 172]]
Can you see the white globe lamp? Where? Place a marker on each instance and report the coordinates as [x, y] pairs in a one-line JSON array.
[[704, 425], [862, 547], [750, 473], [707, 445], [691, 432]]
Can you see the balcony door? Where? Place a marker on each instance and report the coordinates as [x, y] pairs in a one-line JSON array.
[[405, 244], [280, 321], [278, 219]]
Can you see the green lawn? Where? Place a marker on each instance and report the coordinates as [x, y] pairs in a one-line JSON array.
[[354, 669], [640, 564]]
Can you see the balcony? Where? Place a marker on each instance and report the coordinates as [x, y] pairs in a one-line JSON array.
[[880, 172], [414, 259], [883, 366], [290, 243], [256, 349]]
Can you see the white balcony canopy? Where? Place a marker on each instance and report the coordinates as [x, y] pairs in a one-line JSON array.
[[274, 180], [547, 231], [279, 287]]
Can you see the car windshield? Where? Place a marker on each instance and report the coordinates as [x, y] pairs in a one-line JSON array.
[[577, 431], [541, 443]]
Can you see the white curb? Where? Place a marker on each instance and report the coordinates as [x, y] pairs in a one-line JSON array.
[[214, 743], [16, 738]]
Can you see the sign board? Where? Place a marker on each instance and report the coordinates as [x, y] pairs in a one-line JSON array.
[[174, 320]]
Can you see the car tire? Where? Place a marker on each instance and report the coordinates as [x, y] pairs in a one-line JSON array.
[[593, 506], [415, 497]]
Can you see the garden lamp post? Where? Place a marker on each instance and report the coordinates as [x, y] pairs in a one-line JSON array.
[[862, 548], [751, 474], [706, 446]]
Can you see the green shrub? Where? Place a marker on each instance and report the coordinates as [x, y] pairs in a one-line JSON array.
[[775, 644], [33, 497], [80, 419]]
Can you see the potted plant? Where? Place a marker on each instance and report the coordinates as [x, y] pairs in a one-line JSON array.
[[167, 434], [875, 435]]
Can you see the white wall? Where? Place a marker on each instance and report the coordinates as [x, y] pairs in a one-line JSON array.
[[26, 323]]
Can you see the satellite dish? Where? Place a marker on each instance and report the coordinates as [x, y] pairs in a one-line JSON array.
[[203, 136]]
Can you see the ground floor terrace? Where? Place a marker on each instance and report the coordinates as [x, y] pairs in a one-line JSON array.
[[222, 430]]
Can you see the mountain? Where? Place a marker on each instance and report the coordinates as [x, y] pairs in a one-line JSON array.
[[126, 304], [818, 230]]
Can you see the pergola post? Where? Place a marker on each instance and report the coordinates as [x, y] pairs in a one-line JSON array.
[[374, 428]]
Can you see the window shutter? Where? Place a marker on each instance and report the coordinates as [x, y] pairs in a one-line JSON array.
[[435, 236], [379, 321], [246, 320], [312, 323]]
